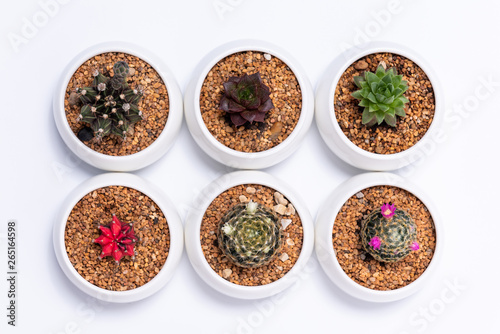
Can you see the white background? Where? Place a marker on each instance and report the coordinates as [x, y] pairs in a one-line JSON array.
[[459, 39]]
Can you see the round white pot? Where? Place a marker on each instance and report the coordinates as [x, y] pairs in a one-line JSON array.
[[174, 225], [219, 151], [137, 160], [324, 244], [332, 133], [193, 244]]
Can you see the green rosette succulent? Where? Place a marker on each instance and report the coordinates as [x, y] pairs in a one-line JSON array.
[[110, 106], [381, 95], [389, 234], [246, 99], [250, 235]]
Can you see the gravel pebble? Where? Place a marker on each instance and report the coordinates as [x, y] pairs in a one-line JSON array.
[[226, 273], [285, 223], [280, 208]]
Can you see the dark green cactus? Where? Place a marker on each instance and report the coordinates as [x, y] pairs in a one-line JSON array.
[[381, 95], [250, 235], [110, 106], [389, 234]]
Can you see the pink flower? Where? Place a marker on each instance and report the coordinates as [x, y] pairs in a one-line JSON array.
[[415, 246], [375, 242], [388, 210]]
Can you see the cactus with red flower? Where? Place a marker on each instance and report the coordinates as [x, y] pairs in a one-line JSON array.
[[117, 240]]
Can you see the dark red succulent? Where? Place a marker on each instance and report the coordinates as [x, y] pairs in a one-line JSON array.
[[117, 240], [246, 99]]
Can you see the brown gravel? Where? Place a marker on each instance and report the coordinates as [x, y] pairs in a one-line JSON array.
[[154, 104], [130, 206], [280, 121], [384, 139], [357, 263], [271, 272]]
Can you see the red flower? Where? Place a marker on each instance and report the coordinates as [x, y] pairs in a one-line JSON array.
[[117, 240]]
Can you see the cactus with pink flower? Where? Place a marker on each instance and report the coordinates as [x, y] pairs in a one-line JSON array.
[[389, 234]]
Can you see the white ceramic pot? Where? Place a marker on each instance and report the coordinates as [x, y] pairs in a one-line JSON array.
[[332, 133], [174, 225], [219, 151], [193, 243], [137, 160], [324, 244]]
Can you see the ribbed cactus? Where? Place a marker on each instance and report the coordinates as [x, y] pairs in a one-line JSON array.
[[250, 235], [389, 234], [110, 105]]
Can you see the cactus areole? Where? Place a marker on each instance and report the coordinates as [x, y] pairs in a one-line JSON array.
[[117, 240], [246, 99], [389, 234], [249, 235], [110, 106]]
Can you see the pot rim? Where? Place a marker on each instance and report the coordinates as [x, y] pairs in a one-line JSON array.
[[324, 243], [136, 160], [335, 71], [194, 247], [165, 205], [224, 154]]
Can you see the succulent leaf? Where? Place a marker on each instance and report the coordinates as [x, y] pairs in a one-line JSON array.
[[250, 235], [381, 96], [110, 106], [246, 99]]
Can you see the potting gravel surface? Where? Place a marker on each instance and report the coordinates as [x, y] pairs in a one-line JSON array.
[[279, 122], [277, 268], [361, 266], [384, 139], [154, 104], [130, 206]]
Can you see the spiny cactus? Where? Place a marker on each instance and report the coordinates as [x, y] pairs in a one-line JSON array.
[[117, 240], [389, 234], [381, 95], [250, 235], [246, 99], [110, 105]]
